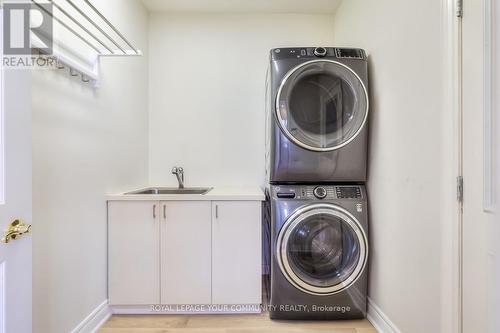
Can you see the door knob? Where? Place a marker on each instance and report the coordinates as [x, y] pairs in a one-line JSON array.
[[15, 230]]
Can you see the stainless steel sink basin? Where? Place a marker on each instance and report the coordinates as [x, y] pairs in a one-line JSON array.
[[173, 190]]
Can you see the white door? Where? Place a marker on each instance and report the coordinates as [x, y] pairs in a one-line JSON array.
[[134, 252], [480, 230], [236, 247], [15, 185], [186, 258]]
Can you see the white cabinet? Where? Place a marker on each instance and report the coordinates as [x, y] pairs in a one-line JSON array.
[[236, 248], [133, 241], [186, 252]]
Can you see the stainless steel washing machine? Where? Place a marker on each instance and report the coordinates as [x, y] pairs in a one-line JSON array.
[[319, 251], [317, 110]]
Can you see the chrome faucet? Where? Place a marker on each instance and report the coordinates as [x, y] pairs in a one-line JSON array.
[[179, 172]]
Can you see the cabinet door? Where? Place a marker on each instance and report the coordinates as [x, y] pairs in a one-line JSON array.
[[133, 253], [186, 252], [236, 247]]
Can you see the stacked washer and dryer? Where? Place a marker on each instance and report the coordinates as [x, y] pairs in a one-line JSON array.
[[316, 167]]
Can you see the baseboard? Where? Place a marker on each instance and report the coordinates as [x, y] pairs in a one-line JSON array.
[[379, 319], [94, 320]]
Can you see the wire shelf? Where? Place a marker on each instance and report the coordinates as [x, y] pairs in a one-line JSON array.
[[89, 25]]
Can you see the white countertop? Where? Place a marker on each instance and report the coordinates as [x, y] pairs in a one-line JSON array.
[[217, 193]]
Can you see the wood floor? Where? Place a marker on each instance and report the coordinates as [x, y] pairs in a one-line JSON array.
[[227, 324]]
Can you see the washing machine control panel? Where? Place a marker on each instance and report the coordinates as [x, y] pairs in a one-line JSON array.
[[321, 192]]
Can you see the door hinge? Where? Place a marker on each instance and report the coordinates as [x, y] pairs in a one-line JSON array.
[[460, 8], [460, 188]]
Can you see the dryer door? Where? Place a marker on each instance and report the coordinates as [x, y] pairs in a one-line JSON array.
[[322, 105], [322, 249]]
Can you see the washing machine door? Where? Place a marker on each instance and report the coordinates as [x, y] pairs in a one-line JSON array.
[[322, 249], [322, 105]]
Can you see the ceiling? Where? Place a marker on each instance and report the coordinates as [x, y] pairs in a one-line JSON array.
[[244, 6]]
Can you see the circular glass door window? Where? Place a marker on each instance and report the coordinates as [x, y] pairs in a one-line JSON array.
[[322, 105], [322, 249]]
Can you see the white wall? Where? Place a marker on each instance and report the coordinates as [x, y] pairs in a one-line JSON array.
[[207, 77], [410, 168], [86, 143]]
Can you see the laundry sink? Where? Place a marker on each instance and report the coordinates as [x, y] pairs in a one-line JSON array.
[[172, 190]]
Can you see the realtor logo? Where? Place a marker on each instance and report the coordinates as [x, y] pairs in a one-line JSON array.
[[27, 26]]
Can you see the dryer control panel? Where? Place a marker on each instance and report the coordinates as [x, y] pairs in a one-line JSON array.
[[304, 192], [318, 52]]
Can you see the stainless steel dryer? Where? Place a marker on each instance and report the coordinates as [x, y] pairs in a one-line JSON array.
[[317, 105], [319, 252]]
